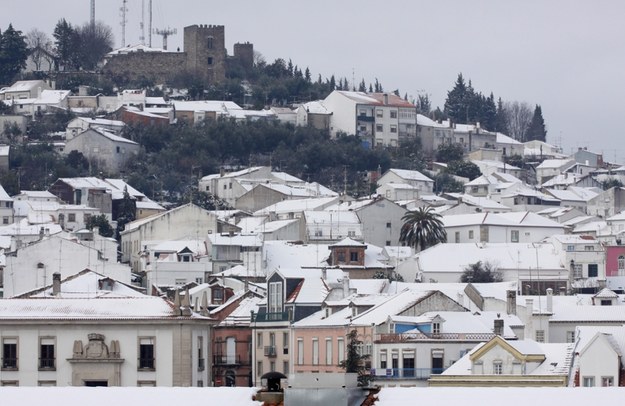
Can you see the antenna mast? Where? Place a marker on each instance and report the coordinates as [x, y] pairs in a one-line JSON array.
[[92, 13], [150, 24], [166, 32], [142, 23], [122, 11]]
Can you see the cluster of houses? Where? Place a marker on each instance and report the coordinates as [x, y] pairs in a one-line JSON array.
[[275, 285], [192, 297]]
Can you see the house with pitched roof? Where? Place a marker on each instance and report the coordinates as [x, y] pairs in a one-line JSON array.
[[421, 183], [118, 336], [501, 362], [103, 149]]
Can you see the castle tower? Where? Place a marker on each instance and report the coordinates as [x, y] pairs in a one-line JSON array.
[[244, 52], [206, 51]]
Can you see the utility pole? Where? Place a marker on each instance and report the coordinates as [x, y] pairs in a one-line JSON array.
[[150, 24], [92, 13], [142, 23]]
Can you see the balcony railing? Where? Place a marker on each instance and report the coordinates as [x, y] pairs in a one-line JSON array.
[[403, 337], [226, 359], [365, 118], [405, 373], [270, 351], [269, 317]]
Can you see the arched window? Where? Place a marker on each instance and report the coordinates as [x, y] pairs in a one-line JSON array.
[[621, 265]]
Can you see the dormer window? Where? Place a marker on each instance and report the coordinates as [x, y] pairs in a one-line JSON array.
[[276, 301], [436, 328]]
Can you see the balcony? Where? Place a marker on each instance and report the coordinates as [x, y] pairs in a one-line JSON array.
[[369, 119], [270, 317], [405, 373], [270, 351], [233, 359], [406, 337]]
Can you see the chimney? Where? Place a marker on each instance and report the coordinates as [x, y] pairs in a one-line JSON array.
[[41, 233], [550, 300], [222, 172], [56, 283], [345, 286], [385, 98], [511, 302], [498, 327], [529, 306]]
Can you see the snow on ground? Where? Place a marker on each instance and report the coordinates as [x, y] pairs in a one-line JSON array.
[[499, 396], [81, 396]]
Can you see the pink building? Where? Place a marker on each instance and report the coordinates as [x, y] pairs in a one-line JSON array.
[[615, 260]]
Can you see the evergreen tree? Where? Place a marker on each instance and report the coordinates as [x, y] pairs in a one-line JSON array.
[[488, 116], [104, 227], [307, 75], [500, 118], [354, 360], [456, 104], [332, 83], [536, 129], [377, 88], [13, 54], [65, 39], [370, 88], [289, 67], [424, 106], [362, 87]]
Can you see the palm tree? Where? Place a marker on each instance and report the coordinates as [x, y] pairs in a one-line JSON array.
[[422, 228]]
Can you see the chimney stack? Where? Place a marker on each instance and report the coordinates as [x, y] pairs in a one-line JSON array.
[[498, 327], [385, 98], [511, 302], [550, 300], [345, 286], [56, 283]]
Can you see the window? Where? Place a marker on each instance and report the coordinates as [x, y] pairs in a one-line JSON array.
[[46, 353], [318, 233], [275, 297], [607, 381], [200, 384], [470, 234], [593, 270], [388, 225], [272, 366], [514, 235], [570, 336], [86, 217], [285, 367], [393, 128], [200, 353], [497, 368], [259, 368], [351, 233], [209, 42], [383, 360], [588, 381], [5, 220], [341, 257], [408, 364], [315, 351], [393, 114], [436, 328], [606, 302], [379, 113], [11, 383], [457, 236], [379, 128], [259, 340], [46, 383], [353, 256], [577, 271], [570, 248], [362, 113], [300, 351], [328, 351], [117, 149], [285, 343], [387, 243], [540, 336], [340, 350], [146, 353], [621, 265], [9, 353], [71, 217], [146, 383], [589, 248], [209, 60]]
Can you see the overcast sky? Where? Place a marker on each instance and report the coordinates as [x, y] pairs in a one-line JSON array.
[[566, 55]]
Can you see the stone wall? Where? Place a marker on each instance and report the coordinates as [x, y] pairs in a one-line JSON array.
[[158, 66]]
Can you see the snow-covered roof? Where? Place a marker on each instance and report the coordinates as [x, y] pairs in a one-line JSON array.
[[108, 134], [234, 240], [297, 205], [315, 107], [554, 163], [52, 96], [410, 175], [218, 106], [511, 256], [195, 246], [241, 316], [504, 139], [517, 219]]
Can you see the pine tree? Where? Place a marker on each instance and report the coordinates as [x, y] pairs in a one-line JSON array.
[[362, 87], [500, 118], [307, 75], [537, 130], [65, 42], [370, 88], [354, 360], [13, 54], [456, 104]]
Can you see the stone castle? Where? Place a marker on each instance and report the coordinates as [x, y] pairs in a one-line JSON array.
[[204, 54]]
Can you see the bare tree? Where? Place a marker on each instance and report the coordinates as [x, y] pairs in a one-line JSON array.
[[40, 48], [96, 40], [518, 118]]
